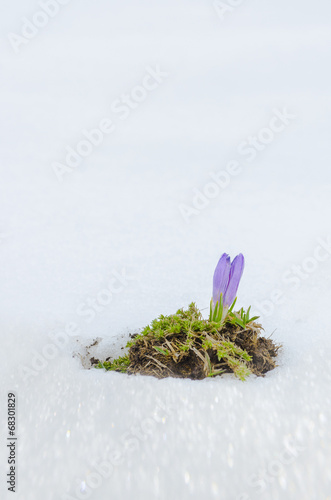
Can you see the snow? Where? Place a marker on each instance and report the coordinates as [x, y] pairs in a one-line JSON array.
[[106, 250]]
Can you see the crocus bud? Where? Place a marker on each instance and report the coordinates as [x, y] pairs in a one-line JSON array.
[[227, 276], [236, 271], [221, 277]]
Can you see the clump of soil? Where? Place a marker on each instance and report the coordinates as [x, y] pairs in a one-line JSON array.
[[185, 345]]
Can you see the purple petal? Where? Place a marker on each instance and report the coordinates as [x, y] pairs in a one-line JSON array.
[[236, 271], [221, 277]]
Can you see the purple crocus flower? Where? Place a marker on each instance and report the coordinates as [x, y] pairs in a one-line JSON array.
[[221, 277], [227, 276]]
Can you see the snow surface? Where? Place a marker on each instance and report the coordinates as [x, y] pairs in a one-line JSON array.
[[118, 212]]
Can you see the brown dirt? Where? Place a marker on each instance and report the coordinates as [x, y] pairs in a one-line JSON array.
[[146, 360]]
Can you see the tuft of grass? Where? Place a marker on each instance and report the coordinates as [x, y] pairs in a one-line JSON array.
[[186, 345], [242, 318]]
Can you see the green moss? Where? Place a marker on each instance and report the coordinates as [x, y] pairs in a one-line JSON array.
[[120, 364], [183, 322]]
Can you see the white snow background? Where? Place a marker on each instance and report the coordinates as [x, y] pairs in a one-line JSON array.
[[90, 434]]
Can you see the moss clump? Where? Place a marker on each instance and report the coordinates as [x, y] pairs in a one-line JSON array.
[[187, 346], [120, 364]]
